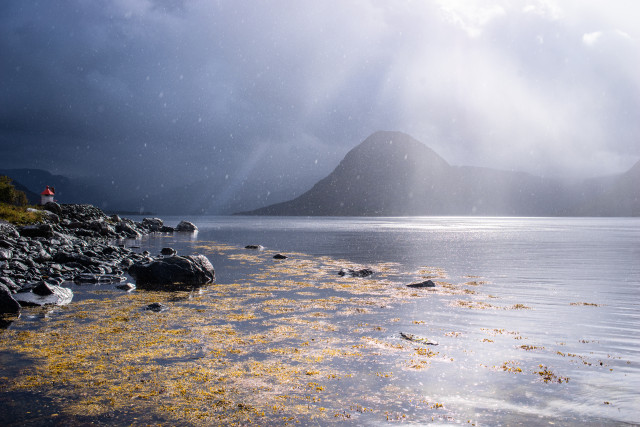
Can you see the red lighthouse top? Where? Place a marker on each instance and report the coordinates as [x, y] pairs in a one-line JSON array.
[[48, 191]]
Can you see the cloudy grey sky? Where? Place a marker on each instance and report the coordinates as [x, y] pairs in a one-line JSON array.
[[178, 90]]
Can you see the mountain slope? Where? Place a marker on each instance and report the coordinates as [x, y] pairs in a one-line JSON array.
[[617, 195], [392, 174], [375, 178]]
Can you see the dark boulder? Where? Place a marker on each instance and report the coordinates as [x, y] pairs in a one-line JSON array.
[[42, 289], [153, 224], [186, 226], [279, 256], [156, 307], [128, 230], [425, 284], [173, 272], [67, 258], [40, 230], [9, 284], [53, 207], [8, 305], [167, 251], [257, 247], [166, 229], [364, 272]]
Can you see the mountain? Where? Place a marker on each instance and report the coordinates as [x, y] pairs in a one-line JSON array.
[[392, 174], [617, 195]]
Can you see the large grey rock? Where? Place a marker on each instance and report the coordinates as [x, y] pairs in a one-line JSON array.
[[186, 226], [8, 305], [52, 295], [173, 272]]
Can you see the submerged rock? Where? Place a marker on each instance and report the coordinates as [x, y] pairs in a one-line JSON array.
[[417, 339], [425, 284], [126, 287], [279, 256], [156, 307], [173, 272], [258, 247], [364, 272]]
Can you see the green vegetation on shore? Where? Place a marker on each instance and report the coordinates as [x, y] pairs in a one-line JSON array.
[[13, 205], [18, 215]]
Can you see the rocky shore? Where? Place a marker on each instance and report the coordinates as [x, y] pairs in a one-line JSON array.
[[80, 243]]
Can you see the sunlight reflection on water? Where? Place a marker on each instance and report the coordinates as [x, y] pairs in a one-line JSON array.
[[519, 301]]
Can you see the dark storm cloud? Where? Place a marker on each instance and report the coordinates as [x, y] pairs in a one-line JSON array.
[[175, 90]]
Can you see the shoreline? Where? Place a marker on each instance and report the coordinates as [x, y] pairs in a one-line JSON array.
[[73, 243]]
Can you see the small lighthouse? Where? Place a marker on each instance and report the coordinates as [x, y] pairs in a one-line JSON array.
[[47, 195]]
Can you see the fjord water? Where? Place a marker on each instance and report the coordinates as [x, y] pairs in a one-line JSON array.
[[574, 283], [537, 322]]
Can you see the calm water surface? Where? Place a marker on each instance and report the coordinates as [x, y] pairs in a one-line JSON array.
[[522, 296]]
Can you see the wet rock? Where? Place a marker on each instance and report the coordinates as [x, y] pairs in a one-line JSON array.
[[9, 284], [156, 307], [126, 287], [67, 258], [173, 272], [8, 305], [40, 230], [153, 224], [425, 284], [364, 272], [167, 251], [5, 254], [167, 229], [186, 226], [49, 216], [59, 296], [256, 247], [8, 231], [280, 256], [128, 230], [43, 289], [53, 207], [43, 256]]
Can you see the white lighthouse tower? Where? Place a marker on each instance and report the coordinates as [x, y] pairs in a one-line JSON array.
[[47, 195]]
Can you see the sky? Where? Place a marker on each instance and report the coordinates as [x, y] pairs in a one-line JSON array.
[[169, 91]]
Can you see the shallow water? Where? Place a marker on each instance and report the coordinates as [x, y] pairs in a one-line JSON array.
[[518, 301]]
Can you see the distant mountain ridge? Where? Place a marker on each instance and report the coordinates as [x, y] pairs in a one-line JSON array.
[[392, 174], [67, 190]]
